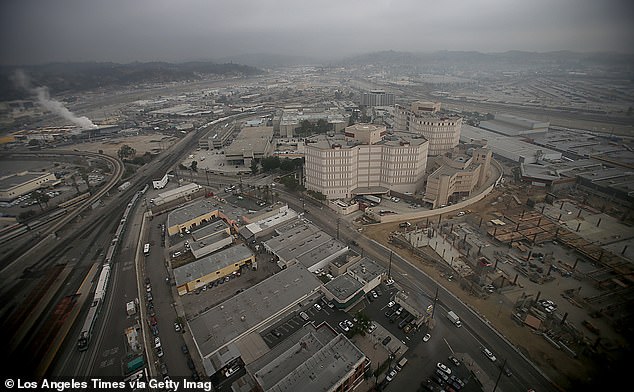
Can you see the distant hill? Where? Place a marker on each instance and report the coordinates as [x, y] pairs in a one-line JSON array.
[[510, 59], [269, 60], [76, 77]]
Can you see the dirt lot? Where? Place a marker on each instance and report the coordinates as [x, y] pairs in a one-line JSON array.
[[560, 367]]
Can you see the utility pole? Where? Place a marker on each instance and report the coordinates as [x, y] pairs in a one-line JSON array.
[[433, 309], [499, 375]]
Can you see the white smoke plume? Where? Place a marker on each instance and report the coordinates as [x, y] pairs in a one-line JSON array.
[[21, 79]]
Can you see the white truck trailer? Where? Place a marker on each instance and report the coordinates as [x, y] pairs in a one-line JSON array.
[[454, 318]]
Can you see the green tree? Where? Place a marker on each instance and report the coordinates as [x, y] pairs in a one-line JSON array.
[[254, 167], [270, 163], [126, 152], [322, 126], [194, 166], [75, 184], [286, 165], [40, 197], [305, 128]]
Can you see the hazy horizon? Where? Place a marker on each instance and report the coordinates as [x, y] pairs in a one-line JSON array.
[[37, 31]]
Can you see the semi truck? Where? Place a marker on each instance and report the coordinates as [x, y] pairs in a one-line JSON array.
[[454, 318]]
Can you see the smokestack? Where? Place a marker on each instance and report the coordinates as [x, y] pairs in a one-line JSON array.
[[44, 99]]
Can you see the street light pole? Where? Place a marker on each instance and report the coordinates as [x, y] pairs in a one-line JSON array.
[[389, 269]]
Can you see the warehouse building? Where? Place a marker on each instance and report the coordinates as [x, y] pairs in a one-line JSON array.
[[231, 330], [510, 125], [251, 143], [219, 265], [311, 360], [264, 223], [186, 191], [16, 185], [508, 147], [344, 291], [191, 216]]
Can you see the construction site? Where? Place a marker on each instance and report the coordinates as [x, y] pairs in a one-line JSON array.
[[558, 267]]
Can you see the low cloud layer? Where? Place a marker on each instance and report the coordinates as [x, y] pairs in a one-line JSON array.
[[35, 31]]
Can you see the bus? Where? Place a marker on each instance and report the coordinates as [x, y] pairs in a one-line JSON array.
[[146, 249]]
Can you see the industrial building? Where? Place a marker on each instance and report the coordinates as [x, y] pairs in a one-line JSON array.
[[361, 277], [190, 216], [219, 265], [251, 143], [265, 222], [312, 359], [185, 191], [230, 330], [507, 147], [364, 160], [287, 234], [510, 125], [423, 118], [210, 244], [344, 291], [306, 244], [16, 185], [289, 120]]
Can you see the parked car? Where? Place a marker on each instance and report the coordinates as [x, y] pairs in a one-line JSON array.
[[426, 337], [317, 306], [391, 375], [443, 367], [276, 333], [184, 349]]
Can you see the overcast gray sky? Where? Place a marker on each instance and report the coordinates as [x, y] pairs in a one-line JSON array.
[[36, 31]]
